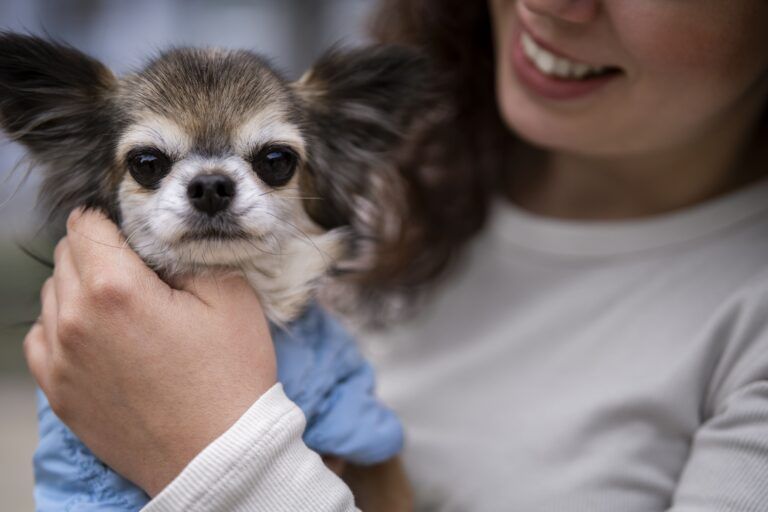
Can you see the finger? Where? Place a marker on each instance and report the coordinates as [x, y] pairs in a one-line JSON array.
[[90, 230], [99, 249], [63, 243], [95, 241], [214, 287], [66, 278], [50, 313], [37, 356]]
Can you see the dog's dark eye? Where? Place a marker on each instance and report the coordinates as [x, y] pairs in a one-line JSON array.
[[275, 165], [148, 166]]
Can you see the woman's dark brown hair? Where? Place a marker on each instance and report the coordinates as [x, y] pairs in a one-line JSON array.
[[458, 161], [455, 160]]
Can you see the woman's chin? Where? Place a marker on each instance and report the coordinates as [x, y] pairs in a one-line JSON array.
[[578, 133]]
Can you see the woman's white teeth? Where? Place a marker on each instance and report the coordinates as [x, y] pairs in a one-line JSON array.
[[552, 65]]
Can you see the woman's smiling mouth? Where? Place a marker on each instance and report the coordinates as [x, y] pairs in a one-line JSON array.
[[553, 75]]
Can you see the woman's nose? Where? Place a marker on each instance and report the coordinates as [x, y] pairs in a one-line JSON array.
[[574, 11]]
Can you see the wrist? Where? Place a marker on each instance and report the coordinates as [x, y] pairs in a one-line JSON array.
[[263, 452], [181, 444]]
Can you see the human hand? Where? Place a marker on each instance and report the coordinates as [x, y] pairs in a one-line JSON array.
[[144, 374]]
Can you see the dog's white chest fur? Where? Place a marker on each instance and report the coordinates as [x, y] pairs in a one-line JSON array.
[[286, 282]]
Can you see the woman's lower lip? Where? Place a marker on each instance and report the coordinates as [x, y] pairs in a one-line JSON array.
[[551, 87]]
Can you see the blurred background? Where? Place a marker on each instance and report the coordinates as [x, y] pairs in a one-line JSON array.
[[122, 34]]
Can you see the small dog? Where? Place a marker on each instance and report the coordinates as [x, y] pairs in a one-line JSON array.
[[209, 158]]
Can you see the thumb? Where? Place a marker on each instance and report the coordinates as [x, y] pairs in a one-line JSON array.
[[218, 286]]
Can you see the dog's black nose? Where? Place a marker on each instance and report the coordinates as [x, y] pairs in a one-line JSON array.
[[211, 193]]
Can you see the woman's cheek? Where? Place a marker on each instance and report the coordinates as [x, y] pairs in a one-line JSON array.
[[690, 63], [721, 42]]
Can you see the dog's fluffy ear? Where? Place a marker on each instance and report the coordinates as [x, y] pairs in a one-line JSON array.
[[56, 101], [361, 104]]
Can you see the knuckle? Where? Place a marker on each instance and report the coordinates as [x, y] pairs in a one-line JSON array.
[[74, 218], [58, 374], [59, 250], [110, 290], [45, 289], [30, 340], [70, 327]]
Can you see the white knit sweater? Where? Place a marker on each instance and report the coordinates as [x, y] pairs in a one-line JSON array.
[[568, 366]]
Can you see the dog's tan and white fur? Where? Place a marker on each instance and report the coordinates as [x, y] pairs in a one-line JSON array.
[[278, 247], [200, 112]]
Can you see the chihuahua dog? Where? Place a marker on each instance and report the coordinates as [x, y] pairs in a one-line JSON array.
[[209, 158]]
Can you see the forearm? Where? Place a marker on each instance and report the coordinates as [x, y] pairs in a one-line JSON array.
[[261, 463]]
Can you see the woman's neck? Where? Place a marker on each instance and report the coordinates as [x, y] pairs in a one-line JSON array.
[[570, 186]]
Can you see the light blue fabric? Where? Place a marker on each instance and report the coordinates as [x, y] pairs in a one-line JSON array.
[[322, 372]]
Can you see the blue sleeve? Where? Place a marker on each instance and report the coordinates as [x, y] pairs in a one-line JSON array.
[[321, 370]]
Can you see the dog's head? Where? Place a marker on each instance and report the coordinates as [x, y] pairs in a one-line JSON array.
[[209, 157]]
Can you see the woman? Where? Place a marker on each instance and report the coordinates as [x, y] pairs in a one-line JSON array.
[[602, 344]]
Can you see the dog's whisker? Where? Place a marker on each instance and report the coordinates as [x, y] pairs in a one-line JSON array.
[[305, 236]]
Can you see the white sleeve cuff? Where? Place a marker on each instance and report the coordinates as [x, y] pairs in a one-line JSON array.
[[260, 464]]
